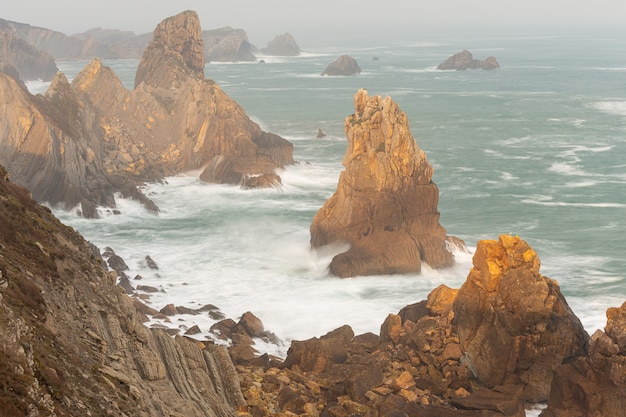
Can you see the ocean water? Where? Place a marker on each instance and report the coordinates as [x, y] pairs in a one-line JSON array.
[[535, 149]]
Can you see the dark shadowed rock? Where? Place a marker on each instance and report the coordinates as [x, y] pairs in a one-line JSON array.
[[344, 65], [513, 323], [385, 205], [282, 45], [464, 60]]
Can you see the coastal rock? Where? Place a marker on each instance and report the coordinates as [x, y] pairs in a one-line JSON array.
[[594, 384], [282, 45], [513, 323], [227, 45], [344, 65], [74, 344], [385, 205], [30, 63], [81, 143], [464, 60]]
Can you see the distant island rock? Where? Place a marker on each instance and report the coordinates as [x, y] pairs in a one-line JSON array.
[[464, 60], [282, 45], [26, 60], [385, 206], [227, 45], [85, 141], [344, 65]]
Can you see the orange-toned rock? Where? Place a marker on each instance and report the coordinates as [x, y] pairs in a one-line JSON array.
[[513, 323], [385, 205]]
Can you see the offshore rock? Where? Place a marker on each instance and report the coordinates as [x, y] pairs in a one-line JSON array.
[[464, 60], [30, 63], [344, 65], [227, 45], [81, 143], [385, 205], [594, 384], [73, 344], [282, 45], [513, 323]]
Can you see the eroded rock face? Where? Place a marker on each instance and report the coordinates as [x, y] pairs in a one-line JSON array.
[[594, 384], [30, 63], [344, 65], [282, 45], [513, 323], [464, 60], [73, 343], [227, 45], [82, 142], [385, 205]]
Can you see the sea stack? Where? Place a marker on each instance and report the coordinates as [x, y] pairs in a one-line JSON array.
[[345, 65], [385, 206], [464, 60]]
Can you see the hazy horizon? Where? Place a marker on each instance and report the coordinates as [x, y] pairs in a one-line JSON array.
[[330, 22]]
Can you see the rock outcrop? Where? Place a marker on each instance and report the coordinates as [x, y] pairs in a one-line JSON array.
[[345, 65], [83, 142], [227, 45], [464, 60], [73, 343], [385, 206], [30, 63], [513, 323], [594, 385], [282, 45]]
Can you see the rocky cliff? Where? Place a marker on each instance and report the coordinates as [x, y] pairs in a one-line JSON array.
[[385, 206], [82, 142], [465, 60], [73, 343], [227, 45], [282, 45], [30, 63]]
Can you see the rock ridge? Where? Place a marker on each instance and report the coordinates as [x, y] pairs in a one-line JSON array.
[[385, 206], [464, 60]]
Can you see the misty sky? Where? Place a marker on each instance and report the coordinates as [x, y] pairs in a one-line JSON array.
[[322, 20]]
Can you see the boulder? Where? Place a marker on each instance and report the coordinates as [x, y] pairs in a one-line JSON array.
[[344, 65], [464, 60], [594, 384], [282, 45], [512, 322], [385, 206]]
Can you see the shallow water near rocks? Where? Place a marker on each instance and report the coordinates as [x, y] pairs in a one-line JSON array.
[[534, 149]]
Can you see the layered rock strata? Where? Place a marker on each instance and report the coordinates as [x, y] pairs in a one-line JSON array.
[[385, 206], [73, 343], [345, 65], [82, 142], [227, 45], [464, 60], [30, 63]]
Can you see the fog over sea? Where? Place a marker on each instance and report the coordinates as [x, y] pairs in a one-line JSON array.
[[535, 149]]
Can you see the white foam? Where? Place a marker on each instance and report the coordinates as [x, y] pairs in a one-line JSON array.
[[611, 107]]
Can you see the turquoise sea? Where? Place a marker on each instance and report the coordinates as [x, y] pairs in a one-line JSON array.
[[535, 149]]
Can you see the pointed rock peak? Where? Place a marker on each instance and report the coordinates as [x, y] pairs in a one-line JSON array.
[[175, 53], [59, 84], [382, 152]]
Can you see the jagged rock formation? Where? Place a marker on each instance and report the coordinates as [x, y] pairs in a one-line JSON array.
[[464, 60], [594, 384], [344, 65], [227, 45], [423, 363], [282, 45], [73, 343], [385, 205], [82, 142], [30, 63], [513, 323]]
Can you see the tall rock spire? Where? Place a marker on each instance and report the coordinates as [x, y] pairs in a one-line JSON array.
[[385, 205]]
